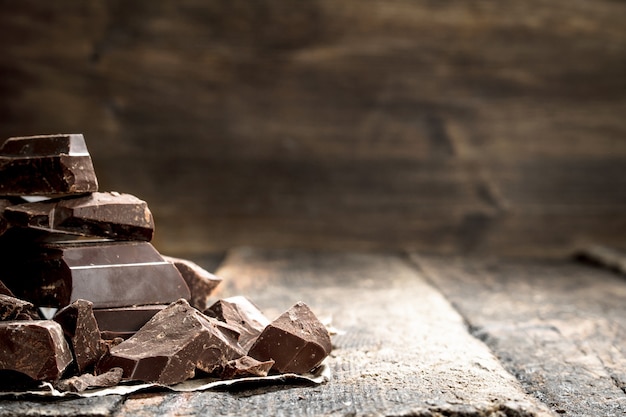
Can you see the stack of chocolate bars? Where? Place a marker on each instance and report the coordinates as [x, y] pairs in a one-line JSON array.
[[87, 301]]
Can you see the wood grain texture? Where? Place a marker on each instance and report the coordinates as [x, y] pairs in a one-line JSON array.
[[559, 327], [404, 350], [76, 407], [469, 126]]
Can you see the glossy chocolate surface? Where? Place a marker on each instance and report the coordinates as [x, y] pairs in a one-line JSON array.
[[124, 321], [110, 215], [46, 165], [109, 274]]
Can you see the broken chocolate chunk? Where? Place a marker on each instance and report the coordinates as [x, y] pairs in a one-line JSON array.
[[35, 348], [110, 215], [50, 165], [124, 321], [81, 329], [201, 282], [109, 274], [12, 308], [297, 341], [4, 290], [82, 382], [243, 315], [170, 347], [246, 367]]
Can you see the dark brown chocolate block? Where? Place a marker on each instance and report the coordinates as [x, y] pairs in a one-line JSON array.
[[81, 329], [201, 282], [35, 348], [124, 321], [243, 315], [12, 308], [170, 347], [46, 165], [297, 341], [110, 215], [109, 274]]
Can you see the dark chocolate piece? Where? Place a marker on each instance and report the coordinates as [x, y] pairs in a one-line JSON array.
[[201, 282], [109, 274], [110, 215], [81, 329], [297, 341], [246, 367], [82, 382], [35, 348], [12, 308], [46, 165], [243, 315], [170, 347], [124, 321], [4, 290], [4, 224]]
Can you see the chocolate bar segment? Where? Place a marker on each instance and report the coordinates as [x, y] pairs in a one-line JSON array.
[[124, 321], [35, 348], [243, 315], [170, 347], [81, 329], [110, 215], [109, 274], [297, 341], [201, 282], [50, 165]]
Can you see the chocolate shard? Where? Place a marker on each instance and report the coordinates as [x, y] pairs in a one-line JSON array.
[[5, 290], [109, 274], [80, 383], [297, 341], [170, 347], [201, 282], [35, 348], [108, 214], [50, 165], [12, 308], [124, 321], [243, 315], [81, 329], [246, 367]]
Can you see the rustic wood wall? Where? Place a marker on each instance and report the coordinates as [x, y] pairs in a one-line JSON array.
[[466, 125]]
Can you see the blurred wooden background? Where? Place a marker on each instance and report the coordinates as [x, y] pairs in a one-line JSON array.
[[460, 126]]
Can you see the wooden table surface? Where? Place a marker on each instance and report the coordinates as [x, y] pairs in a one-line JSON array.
[[419, 336]]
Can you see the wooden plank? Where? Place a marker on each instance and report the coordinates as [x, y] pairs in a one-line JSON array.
[[405, 351], [605, 257], [360, 123], [77, 407], [560, 327]]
